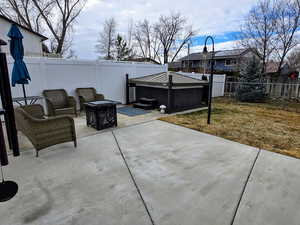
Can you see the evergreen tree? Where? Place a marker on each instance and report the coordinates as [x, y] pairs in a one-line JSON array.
[[251, 88], [122, 51]]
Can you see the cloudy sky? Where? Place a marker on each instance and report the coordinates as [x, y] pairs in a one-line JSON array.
[[218, 18]]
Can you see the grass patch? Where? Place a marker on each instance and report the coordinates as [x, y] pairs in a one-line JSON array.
[[274, 125]]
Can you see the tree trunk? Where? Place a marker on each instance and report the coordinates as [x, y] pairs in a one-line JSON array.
[[60, 42], [165, 57], [59, 46]]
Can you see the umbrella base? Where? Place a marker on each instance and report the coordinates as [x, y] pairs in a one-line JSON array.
[[8, 189]]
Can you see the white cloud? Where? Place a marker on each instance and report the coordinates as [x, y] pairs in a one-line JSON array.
[[91, 3], [219, 46], [208, 17]]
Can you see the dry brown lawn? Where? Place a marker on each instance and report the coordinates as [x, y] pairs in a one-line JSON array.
[[273, 126]]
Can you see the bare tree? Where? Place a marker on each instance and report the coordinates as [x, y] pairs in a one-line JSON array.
[[293, 59], [25, 13], [66, 12], [156, 47], [257, 31], [172, 34], [106, 43], [142, 34], [56, 16], [146, 40], [287, 14], [129, 36]]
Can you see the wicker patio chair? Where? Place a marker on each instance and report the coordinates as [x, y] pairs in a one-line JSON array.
[[59, 103], [88, 95], [43, 132]]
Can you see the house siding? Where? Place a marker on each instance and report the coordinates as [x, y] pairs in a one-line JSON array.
[[196, 62], [32, 42], [220, 65]]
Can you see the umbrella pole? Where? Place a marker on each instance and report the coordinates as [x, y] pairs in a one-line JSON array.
[[24, 93]]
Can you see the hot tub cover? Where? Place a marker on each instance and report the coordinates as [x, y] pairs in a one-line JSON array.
[[162, 79]]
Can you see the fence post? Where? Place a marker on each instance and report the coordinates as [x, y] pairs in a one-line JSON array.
[[127, 89], [170, 98]]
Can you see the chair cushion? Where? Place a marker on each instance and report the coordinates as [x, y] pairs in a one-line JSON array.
[[58, 98], [64, 111], [36, 111], [88, 94]]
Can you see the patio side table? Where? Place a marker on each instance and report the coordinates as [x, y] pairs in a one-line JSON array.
[[101, 114]]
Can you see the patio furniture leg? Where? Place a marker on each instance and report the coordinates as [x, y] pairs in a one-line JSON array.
[[75, 143], [20, 104]]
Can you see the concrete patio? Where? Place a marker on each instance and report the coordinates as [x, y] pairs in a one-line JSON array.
[[183, 176], [83, 131]]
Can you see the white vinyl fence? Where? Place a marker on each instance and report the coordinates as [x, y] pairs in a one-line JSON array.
[[218, 82], [107, 77]]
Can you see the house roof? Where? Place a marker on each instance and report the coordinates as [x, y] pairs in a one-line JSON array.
[[195, 56], [23, 27], [218, 54], [230, 53], [162, 79], [174, 65]]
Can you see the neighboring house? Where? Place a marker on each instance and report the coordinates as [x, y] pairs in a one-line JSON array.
[[32, 40], [225, 62], [174, 66], [288, 74], [272, 67]]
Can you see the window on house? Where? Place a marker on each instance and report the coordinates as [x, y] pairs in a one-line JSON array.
[[227, 62], [230, 62]]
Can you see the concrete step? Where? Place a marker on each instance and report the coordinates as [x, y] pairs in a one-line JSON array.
[[143, 106], [151, 101]]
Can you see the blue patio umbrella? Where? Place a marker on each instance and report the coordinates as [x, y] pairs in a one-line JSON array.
[[20, 73]]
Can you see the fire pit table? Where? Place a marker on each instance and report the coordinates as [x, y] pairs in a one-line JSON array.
[[101, 114]]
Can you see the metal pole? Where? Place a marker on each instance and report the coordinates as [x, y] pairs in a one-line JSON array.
[[211, 77], [8, 105], [127, 89], [188, 57], [24, 93], [170, 92], [204, 66]]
